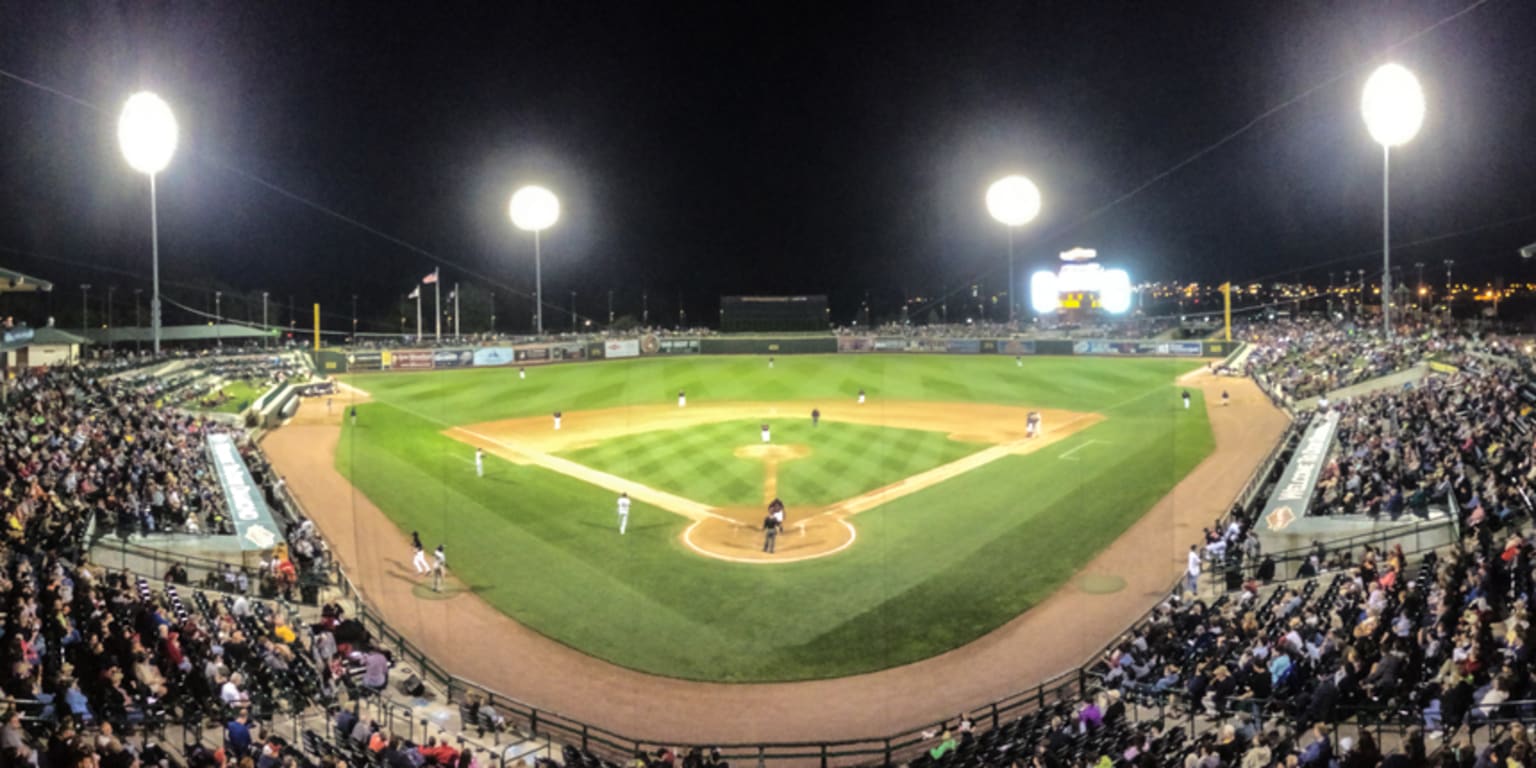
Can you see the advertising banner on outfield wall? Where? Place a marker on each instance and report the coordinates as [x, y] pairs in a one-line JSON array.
[[1293, 494], [365, 361], [453, 358], [962, 346], [855, 344], [254, 526], [568, 351], [489, 356], [1015, 347], [408, 359], [531, 354], [622, 348], [677, 346]]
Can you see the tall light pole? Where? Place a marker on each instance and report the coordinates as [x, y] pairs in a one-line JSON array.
[[1448, 264], [107, 313], [535, 209], [493, 313], [136, 324], [1393, 108], [610, 306], [354, 318], [85, 307], [147, 134], [1014, 201], [573, 311], [218, 317]]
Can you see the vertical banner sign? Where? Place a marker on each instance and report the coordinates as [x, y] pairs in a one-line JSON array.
[[254, 526], [1293, 494]]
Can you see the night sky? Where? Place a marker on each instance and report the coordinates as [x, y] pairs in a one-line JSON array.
[[749, 147]]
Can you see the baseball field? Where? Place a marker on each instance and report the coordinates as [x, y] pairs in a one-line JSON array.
[[916, 521]]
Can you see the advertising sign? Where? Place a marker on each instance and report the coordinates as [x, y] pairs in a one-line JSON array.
[[531, 354], [678, 346], [452, 358], [493, 356], [572, 351], [1293, 494], [1016, 347], [408, 359], [962, 346], [253, 521], [622, 348], [365, 361], [855, 344]]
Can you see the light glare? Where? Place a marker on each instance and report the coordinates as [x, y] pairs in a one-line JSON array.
[[1392, 105], [1043, 296], [1115, 291], [1013, 200], [147, 133], [534, 208]]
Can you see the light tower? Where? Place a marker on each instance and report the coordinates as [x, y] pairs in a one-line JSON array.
[[147, 134], [535, 209], [1393, 108], [1014, 201]]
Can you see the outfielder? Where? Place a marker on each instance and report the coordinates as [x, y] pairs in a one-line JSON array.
[[765, 431], [479, 462], [1032, 424], [770, 361], [419, 556], [557, 421], [861, 397], [682, 399], [623, 512], [1186, 399], [522, 373]]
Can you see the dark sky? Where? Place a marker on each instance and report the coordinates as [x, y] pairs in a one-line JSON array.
[[751, 147]]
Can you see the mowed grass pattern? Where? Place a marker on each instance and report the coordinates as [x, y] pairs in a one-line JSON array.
[[930, 571], [845, 460]]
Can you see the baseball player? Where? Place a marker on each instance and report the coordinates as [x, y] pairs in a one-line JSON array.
[[682, 399], [522, 373], [439, 565], [419, 554], [1018, 360], [770, 361], [479, 462], [1032, 424], [861, 397], [328, 406], [354, 415], [770, 533], [1226, 397], [765, 431], [815, 417], [557, 421], [623, 512], [1186, 399]]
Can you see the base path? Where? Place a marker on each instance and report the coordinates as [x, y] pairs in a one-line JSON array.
[[475, 641]]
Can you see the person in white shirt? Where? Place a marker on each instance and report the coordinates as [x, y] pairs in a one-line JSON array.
[[479, 462], [1192, 573], [682, 399], [623, 512], [230, 692]]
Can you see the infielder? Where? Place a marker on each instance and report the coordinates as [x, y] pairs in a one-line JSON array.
[[1032, 424], [479, 462], [1186, 399], [1226, 397], [438, 568], [861, 397], [522, 373], [682, 399], [623, 512], [815, 417], [765, 431], [557, 421], [419, 556]]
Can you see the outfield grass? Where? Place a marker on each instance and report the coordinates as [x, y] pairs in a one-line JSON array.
[[845, 460], [930, 571]]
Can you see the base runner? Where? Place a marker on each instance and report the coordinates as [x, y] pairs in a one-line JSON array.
[[1032, 424]]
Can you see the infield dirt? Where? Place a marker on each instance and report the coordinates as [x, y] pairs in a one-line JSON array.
[[472, 639], [734, 533]]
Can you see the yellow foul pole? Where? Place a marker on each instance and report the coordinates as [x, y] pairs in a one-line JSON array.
[[317, 326], [1226, 309]]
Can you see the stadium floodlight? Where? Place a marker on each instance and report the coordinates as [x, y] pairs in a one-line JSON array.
[[1043, 295], [535, 209], [1014, 201], [1115, 291], [1393, 108], [147, 134]]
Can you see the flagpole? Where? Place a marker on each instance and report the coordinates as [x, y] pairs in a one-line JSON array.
[[418, 314], [455, 311], [437, 306]]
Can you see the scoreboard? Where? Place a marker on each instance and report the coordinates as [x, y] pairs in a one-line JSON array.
[[766, 314]]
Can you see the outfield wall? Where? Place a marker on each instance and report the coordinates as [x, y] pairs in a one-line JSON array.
[[341, 360]]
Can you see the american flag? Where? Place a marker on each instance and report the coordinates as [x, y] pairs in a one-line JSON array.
[[430, 279]]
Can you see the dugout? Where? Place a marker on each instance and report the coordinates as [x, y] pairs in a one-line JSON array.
[[771, 314]]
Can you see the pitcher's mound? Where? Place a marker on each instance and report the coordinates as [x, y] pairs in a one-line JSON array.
[[742, 542]]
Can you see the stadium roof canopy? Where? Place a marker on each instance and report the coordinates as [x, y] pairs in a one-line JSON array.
[[39, 337], [16, 282], [174, 333]]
